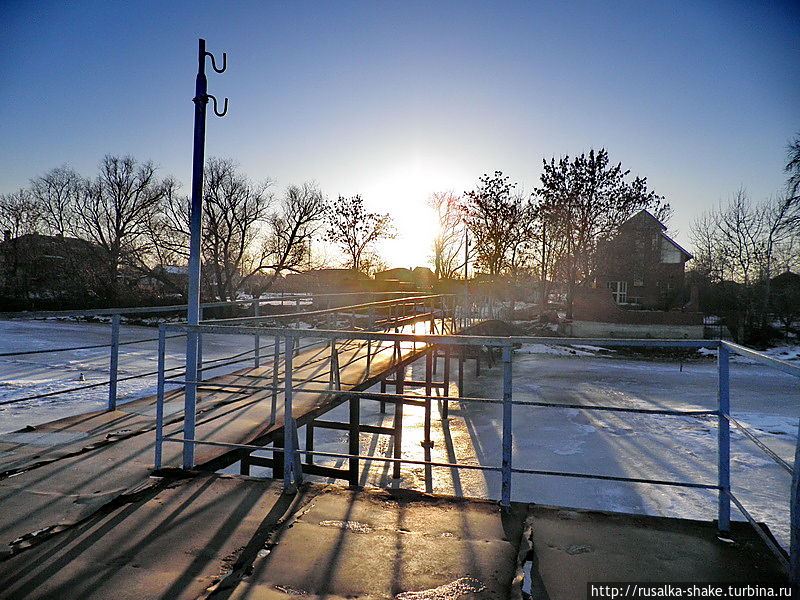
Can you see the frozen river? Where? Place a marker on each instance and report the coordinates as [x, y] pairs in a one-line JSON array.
[[575, 440]]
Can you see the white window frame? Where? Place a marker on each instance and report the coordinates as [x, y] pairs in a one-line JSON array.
[[619, 290]]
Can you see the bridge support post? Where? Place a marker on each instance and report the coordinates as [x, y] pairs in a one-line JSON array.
[[461, 352], [353, 439], [445, 402], [505, 495], [113, 363], [429, 358], [310, 442], [400, 376]]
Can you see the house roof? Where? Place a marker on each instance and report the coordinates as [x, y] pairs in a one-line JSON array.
[[688, 254], [646, 218], [643, 217]]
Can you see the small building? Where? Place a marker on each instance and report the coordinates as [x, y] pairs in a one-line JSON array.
[[642, 266]]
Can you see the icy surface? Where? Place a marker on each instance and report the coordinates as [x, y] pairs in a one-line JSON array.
[[30, 374], [678, 448]]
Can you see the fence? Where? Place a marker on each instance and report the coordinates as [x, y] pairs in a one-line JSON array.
[[115, 344], [290, 452]]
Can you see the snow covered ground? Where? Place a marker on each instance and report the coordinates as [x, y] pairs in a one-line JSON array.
[[30, 374], [576, 440]]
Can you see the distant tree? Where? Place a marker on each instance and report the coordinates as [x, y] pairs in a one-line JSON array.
[[793, 166], [355, 231], [499, 223], [448, 245], [58, 194], [582, 201], [19, 213], [114, 214], [301, 213]]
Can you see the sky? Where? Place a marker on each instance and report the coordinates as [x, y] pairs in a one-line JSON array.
[[396, 100]]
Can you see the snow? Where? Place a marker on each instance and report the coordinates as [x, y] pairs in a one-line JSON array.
[[678, 448], [31, 374]]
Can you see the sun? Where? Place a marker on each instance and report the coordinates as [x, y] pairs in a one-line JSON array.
[[404, 192]]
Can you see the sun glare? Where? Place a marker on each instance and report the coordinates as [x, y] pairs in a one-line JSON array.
[[403, 192]]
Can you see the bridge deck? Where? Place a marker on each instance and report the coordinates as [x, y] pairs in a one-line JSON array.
[[58, 473]]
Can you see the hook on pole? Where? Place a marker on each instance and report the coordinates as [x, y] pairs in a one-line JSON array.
[[224, 106], [214, 63]]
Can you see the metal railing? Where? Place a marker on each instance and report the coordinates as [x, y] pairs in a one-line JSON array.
[[114, 345], [290, 451]]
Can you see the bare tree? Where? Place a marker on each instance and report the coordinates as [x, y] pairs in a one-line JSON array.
[[58, 194], [115, 212], [793, 166], [235, 213], [300, 215], [448, 245], [19, 213], [356, 231], [498, 221]]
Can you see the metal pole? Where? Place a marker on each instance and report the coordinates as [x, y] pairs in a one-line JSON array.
[[200, 350], [160, 398], [399, 378], [724, 439], [276, 355], [196, 217], [114, 363], [429, 357], [257, 341], [291, 476], [446, 402], [794, 511], [505, 497]]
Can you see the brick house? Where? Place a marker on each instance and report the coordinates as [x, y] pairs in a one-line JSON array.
[[642, 266]]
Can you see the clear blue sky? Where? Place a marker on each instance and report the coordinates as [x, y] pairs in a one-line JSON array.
[[397, 100]]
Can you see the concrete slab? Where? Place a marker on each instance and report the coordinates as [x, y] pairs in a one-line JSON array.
[[221, 537], [173, 542], [573, 547], [375, 544]]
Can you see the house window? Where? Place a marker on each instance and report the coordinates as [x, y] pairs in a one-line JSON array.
[[619, 289]]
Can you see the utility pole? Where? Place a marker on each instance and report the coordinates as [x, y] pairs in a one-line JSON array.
[[201, 98]]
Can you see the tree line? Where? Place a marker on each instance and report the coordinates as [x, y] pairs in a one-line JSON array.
[[741, 245], [551, 234], [128, 222]]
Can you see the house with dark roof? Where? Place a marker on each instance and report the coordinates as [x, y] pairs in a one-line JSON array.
[[642, 266]]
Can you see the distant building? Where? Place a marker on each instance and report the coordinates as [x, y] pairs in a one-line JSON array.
[[34, 266], [642, 266]]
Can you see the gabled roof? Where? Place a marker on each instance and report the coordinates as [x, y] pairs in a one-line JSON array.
[[643, 218], [688, 254]]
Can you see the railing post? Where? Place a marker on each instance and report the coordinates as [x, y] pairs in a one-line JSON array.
[[160, 398], [397, 451], [190, 398], [113, 363], [292, 475], [257, 338], [794, 512], [505, 497], [200, 349], [724, 438], [276, 355]]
